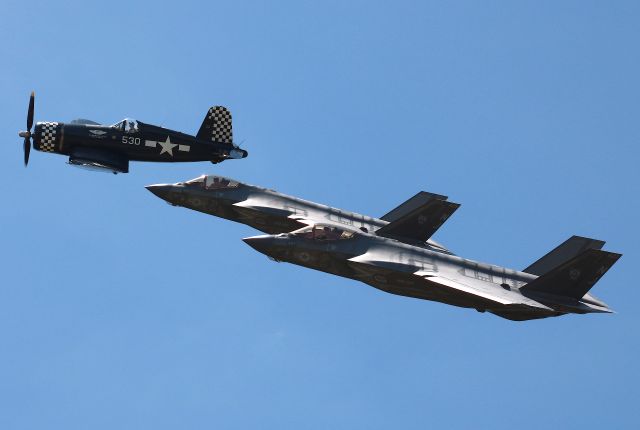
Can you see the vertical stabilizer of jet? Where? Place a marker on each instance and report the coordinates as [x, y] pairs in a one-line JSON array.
[[416, 220], [567, 250], [410, 205], [574, 278]]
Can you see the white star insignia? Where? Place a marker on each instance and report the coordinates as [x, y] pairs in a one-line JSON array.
[[167, 146]]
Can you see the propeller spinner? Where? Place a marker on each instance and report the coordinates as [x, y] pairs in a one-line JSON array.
[[27, 134]]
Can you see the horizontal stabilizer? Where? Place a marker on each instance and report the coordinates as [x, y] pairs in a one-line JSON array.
[[570, 248], [418, 218], [575, 277]]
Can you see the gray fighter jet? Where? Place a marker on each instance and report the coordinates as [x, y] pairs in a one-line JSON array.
[[395, 253]]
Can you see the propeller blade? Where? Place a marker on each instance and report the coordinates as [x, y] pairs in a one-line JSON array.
[[30, 112], [27, 150]]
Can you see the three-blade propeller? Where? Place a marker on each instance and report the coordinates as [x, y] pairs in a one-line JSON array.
[[27, 134]]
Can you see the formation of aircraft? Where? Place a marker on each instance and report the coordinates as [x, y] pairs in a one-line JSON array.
[[395, 253], [109, 148]]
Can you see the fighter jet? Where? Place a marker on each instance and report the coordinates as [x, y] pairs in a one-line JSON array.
[[395, 253], [110, 147]]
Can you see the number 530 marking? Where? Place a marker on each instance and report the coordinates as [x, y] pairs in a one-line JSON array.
[[131, 140]]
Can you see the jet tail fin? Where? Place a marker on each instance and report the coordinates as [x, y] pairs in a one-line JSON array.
[[575, 277], [216, 126], [413, 203], [568, 249], [417, 219]]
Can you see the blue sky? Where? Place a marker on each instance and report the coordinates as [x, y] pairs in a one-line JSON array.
[[118, 311]]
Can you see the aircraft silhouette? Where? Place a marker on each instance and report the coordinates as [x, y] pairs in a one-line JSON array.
[[395, 253], [109, 148]]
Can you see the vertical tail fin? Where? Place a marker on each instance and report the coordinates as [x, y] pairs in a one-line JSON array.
[[567, 250], [575, 277], [417, 219], [217, 126]]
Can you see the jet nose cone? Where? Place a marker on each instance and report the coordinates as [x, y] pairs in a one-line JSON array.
[[260, 243], [166, 192], [160, 190]]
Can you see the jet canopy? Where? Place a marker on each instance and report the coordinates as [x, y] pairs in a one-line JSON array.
[[128, 125], [210, 182], [322, 232]]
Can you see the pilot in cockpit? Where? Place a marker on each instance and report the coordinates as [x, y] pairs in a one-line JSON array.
[[130, 126]]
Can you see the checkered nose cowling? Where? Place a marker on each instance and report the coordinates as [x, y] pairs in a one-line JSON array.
[[47, 136]]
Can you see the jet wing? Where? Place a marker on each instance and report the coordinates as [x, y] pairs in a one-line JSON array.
[[301, 219], [259, 206], [418, 218], [379, 263], [262, 206], [379, 266], [370, 266], [491, 293], [486, 292], [259, 214]]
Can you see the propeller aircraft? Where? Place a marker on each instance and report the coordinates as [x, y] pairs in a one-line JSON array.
[[109, 148]]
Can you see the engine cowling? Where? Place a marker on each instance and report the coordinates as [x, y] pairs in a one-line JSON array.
[[47, 136]]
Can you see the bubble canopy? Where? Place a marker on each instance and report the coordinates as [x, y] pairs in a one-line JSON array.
[[323, 232], [128, 125], [211, 182]]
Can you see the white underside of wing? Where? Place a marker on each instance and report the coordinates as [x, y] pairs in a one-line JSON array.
[[487, 292], [301, 219]]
